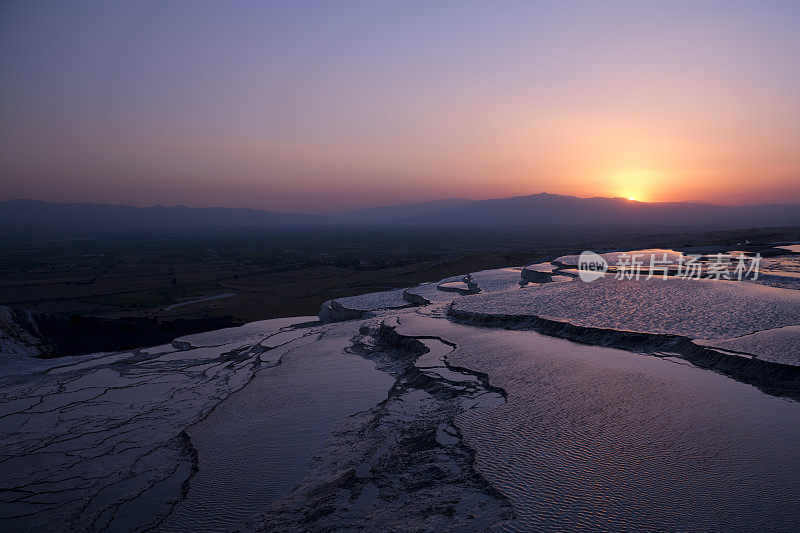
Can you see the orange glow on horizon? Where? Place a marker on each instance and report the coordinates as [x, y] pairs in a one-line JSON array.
[[377, 110]]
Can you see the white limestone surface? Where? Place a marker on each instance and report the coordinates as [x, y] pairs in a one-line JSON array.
[[698, 309], [779, 345]]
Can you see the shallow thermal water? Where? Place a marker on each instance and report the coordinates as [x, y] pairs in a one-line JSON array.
[[454, 285], [258, 443], [668, 256], [597, 438], [703, 309], [792, 248]]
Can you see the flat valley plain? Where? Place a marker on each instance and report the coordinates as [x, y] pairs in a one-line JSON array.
[[257, 274]]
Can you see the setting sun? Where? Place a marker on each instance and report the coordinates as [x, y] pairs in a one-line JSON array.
[[632, 198]]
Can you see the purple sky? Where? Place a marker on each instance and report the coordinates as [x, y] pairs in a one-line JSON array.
[[322, 106]]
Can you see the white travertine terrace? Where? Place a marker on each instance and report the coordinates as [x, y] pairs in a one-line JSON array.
[[427, 409], [697, 309]]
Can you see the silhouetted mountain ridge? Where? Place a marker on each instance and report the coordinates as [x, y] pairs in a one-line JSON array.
[[393, 213], [543, 210], [46, 216], [552, 211]]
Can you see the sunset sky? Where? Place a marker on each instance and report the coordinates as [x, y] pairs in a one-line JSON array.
[[319, 106]]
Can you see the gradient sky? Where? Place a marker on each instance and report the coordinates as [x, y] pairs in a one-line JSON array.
[[319, 106]]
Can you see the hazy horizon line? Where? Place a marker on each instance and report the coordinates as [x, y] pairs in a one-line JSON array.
[[379, 206]]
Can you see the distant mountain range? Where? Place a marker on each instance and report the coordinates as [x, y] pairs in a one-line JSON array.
[[404, 212], [554, 210], [545, 211]]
